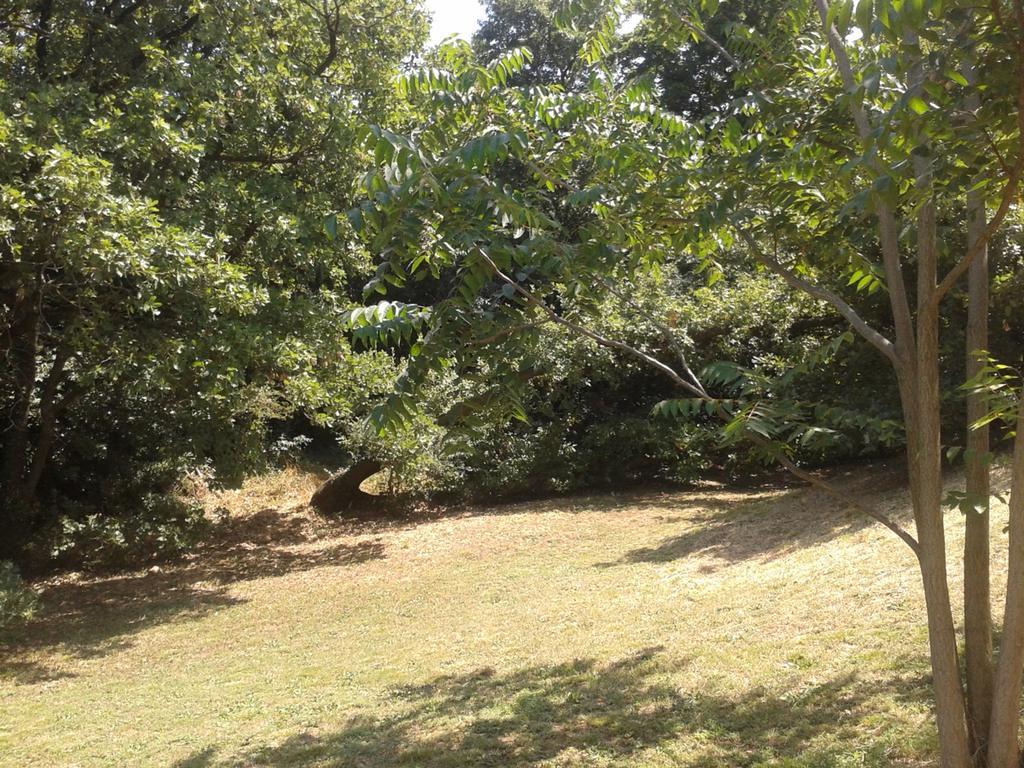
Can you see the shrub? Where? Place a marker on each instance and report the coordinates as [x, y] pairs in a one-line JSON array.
[[158, 526], [17, 601]]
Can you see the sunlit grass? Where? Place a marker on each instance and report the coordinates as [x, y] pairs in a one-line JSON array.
[[711, 628]]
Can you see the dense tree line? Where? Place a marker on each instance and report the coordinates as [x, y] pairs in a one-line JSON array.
[[173, 303], [166, 287], [172, 300]]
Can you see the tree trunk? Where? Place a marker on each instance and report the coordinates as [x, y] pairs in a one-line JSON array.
[[1003, 749], [977, 586], [341, 492], [926, 491], [924, 441], [23, 357], [50, 408]]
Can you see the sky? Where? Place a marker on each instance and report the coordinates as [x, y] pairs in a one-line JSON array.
[[459, 16]]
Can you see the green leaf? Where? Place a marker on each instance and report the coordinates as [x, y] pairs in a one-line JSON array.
[[844, 15], [864, 16], [956, 77], [919, 105]]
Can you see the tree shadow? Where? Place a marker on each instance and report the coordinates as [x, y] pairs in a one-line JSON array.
[[731, 532], [583, 712], [91, 618], [31, 672]]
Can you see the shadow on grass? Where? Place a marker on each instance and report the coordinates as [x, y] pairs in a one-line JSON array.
[[29, 672], [89, 619], [586, 713], [763, 529]]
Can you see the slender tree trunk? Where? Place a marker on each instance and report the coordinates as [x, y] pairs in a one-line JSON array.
[[977, 580], [926, 491], [23, 360], [1004, 750], [924, 443], [923, 457], [14, 462]]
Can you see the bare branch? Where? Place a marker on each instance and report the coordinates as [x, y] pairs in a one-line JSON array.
[[817, 482], [665, 331], [700, 31], [879, 341], [860, 117], [531, 298]]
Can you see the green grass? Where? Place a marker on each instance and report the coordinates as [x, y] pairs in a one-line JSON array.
[[712, 628]]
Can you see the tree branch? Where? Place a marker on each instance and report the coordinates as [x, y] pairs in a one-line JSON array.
[[817, 482], [879, 341], [784, 460], [665, 331], [888, 229], [1006, 200], [701, 32], [531, 298]]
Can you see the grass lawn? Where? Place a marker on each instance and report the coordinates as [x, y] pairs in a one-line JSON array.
[[707, 628]]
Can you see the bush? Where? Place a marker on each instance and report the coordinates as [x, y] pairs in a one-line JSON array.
[[157, 527], [17, 601]]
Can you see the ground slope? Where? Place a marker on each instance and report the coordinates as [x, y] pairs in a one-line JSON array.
[[707, 628]]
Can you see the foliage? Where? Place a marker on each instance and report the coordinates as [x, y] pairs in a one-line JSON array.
[[1001, 385], [589, 420], [145, 515], [837, 168], [449, 189], [167, 288], [415, 461], [17, 601], [511, 24], [612, 188]]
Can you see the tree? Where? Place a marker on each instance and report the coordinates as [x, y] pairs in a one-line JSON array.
[[693, 76], [163, 292], [510, 24], [863, 134]]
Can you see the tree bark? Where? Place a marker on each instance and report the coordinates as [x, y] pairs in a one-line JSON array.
[[924, 469], [924, 440], [977, 578], [23, 355], [1003, 748], [920, 403], [924, 460], [924, 455]]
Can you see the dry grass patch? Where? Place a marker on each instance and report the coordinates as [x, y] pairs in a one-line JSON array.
[[712, 628]]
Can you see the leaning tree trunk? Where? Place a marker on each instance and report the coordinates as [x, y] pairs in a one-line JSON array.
[[1004, 749], [341, 492]]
